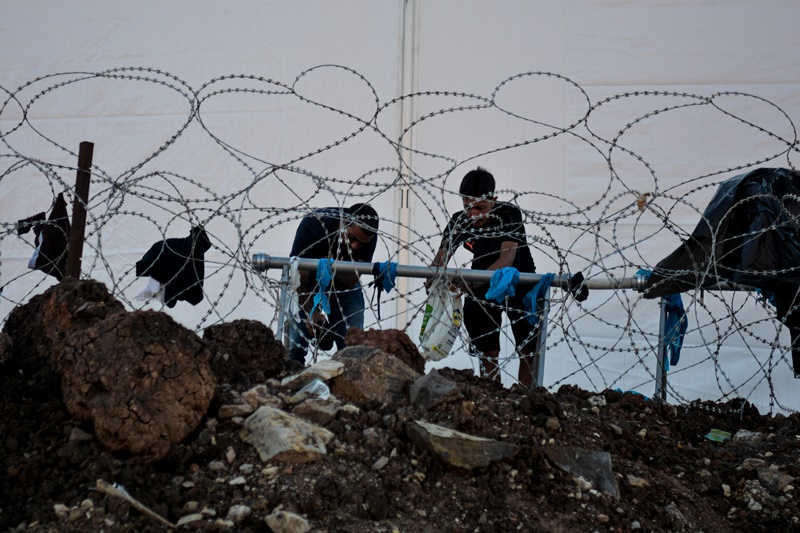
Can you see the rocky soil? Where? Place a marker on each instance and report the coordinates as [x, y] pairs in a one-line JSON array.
[[580, 461]]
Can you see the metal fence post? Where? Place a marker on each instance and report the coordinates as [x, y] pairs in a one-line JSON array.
[[284, 299], [661, 353], [76, 234], [541, 342]]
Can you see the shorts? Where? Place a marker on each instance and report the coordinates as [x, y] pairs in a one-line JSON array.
[[483, 320]]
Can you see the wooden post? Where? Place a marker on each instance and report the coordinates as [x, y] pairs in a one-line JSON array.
[[76, 233]]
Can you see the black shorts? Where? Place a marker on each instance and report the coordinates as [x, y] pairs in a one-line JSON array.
[[483, 320]]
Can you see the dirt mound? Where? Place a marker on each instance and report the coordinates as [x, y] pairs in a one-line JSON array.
[[245, 352], [41, 325], [670, 475]]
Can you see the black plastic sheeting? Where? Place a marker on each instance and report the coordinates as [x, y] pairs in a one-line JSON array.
[[748, 236]]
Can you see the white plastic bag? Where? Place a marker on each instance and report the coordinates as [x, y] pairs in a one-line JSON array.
[[440, 323], [315, 390]]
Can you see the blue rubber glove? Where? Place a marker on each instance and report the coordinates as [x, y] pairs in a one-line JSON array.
[[675, 327], [385, 275], [324, 278], [503, 283], [531, 300]]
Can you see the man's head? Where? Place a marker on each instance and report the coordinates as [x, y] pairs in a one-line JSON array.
[[359, 226], [477, 194]]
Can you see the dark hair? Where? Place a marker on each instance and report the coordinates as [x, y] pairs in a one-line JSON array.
[[477, 183], [365, 216]]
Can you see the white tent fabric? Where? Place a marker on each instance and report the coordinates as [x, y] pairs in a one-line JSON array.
[[698, 91]]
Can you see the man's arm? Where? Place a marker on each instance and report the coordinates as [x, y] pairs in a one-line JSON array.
[[309, 232], [440, 260], [508, 251]]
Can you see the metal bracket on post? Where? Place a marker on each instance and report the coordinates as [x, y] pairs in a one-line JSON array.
[[661, 353]]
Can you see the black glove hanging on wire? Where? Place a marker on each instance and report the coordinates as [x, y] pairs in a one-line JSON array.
[[577, 287]]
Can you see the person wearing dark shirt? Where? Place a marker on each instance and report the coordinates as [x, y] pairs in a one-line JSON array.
[[494, 233], [343, 234]]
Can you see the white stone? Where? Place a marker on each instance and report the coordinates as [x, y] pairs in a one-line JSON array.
[[323, 370], [286, 522], [189, 518], [238, 513], [281, 436], [748, 437], [380, 463], [61, 510]]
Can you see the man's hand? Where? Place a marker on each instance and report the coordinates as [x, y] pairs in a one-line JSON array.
[[467, 288], [428, 285], [316, 321], [439, 261]]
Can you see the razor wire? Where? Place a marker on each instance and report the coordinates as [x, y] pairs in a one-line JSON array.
[[637, 217]]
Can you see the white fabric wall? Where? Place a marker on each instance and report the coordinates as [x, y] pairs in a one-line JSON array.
[[604, 48]]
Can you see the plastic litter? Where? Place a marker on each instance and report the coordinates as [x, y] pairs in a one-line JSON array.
[[717, 435], [316, 389], [440, 323]]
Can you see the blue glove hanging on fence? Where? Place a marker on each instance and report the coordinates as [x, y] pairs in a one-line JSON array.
[[324, 278], [503, 283], [675, 327], [531, 300], [385, 276]]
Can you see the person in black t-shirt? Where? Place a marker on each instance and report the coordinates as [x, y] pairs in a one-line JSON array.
[[344, 235], [494, 233]]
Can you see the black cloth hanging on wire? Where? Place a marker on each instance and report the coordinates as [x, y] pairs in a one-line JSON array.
[[179, 263], [52, 239], [749, 235]]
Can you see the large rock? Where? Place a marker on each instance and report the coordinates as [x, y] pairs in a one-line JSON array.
[[594, 466], [456, 449], [259, 395], [278, 435], [320, 412], [244, 352], [141, 378], [433, 389], [372, 375], [391, 341]]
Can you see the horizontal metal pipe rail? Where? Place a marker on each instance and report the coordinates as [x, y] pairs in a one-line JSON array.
[[263, 262]]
